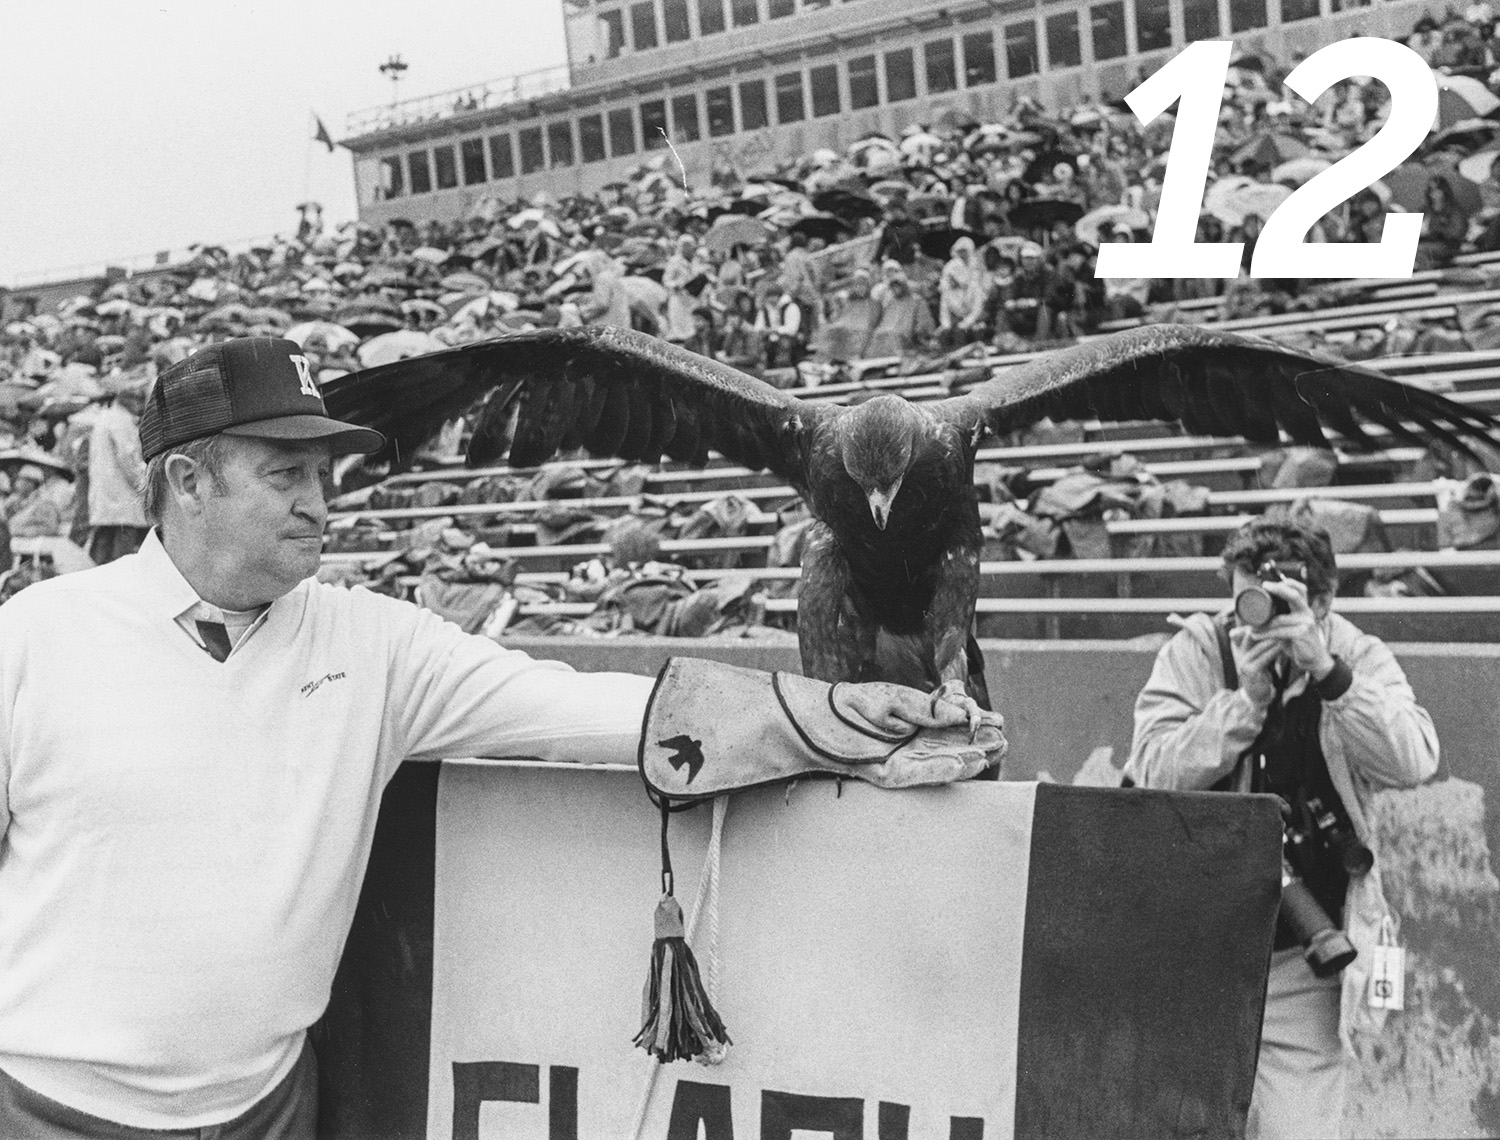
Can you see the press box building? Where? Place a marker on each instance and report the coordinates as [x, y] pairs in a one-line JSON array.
[[754, 82]]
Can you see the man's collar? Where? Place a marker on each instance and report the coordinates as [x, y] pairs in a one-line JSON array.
[[167, 591]]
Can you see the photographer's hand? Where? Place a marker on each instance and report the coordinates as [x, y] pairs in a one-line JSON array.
[[1298, 631], [1254, 658]]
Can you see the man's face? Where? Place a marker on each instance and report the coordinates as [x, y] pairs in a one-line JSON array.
[[268, 515]]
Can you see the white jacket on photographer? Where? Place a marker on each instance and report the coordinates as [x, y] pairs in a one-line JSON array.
[[1190, 731]]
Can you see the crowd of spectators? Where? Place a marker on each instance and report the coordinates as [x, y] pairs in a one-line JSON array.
[[955, 234]]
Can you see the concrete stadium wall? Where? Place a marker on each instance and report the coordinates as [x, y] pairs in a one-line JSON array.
[[1436, 1069]]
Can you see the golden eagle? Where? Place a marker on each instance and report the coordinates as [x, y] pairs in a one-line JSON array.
[[891, 571]]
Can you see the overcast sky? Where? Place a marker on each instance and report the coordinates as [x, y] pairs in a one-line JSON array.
[[129, 126]]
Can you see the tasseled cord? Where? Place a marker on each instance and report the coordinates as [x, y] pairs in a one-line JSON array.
[[679, 1022]]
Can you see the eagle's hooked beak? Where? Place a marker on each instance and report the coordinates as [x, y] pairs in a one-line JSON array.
[[880, 504]]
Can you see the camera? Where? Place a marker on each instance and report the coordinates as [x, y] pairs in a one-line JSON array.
[[1255, 605], [1340, 840], [1326, 947]]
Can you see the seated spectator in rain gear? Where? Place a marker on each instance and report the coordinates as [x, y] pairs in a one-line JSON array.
[[680, 303], [607, 303], [799, 277], [1125, 297], [779, 322], [30, 510], [117, 478], [852, 316], [961, 295], [739, 342], [702, 339], [903, 320], [1024, 309], [1444, 226]]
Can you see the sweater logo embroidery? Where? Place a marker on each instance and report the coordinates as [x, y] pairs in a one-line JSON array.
[[312, 687]]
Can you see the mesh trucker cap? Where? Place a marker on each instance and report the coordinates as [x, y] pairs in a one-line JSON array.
[[256, 386]]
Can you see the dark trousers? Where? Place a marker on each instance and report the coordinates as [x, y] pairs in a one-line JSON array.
[[287, 1112]]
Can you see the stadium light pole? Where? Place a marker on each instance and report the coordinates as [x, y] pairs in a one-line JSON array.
[[393, 69]]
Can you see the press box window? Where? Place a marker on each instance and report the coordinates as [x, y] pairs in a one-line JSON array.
[[643, 25], [754, 112], [613, 26], [745, 12], [1246, 14], [674, 15], [900, 75], [789, 105], [685, 118], [1108, 22], [1293, 10], [710, 17], [979, 59], [621, 132], [471, 157], [864, 90], [502, 157], [446, 166], [654, 125], [720, 112], [1063, 46], [1153, 24], [533, 157], [420, 173], [591, 138], [780, 9], [825, 90], [1200, 19], [560, 143], [938, 57], [1020, 49], [392, 178]]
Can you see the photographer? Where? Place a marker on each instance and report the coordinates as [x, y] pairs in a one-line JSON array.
[[1310, 708]]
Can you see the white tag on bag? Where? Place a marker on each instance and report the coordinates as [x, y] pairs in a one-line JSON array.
[[1388, 971]]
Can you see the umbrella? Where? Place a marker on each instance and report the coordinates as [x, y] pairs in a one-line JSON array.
[[848, 203], [465, 282], [1460, 98], [1465, 135], [225, 316], [1044, 213], [336, 337], [872, 150], [889, 189], [19, 457], [821, 225], [430, 254], [1269, 150], [386, 274], [266, 315], [1408, 185], [1096, 223], [1478, 167], [731, 230], [1232, 203], [367, 316], [1300, 170], [1040, 168], [400, 345], [937, 242], [424, 307], [921, 146], [116, 308]]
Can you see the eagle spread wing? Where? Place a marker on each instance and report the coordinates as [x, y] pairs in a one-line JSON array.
[[1216, 383], [609, 390]]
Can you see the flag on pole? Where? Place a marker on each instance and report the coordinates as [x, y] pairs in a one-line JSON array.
[[1001, 960], [322, 135]]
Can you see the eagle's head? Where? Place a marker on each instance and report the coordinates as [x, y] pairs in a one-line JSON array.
[[876, 442]]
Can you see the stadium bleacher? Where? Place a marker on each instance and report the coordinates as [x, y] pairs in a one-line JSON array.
[[1048, 597]]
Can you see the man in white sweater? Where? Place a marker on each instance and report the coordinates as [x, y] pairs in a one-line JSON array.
[[193, 744]]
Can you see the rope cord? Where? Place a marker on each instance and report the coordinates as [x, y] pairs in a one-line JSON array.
[[708, 893]]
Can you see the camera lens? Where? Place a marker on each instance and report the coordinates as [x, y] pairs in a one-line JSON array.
[[1254, 606]]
